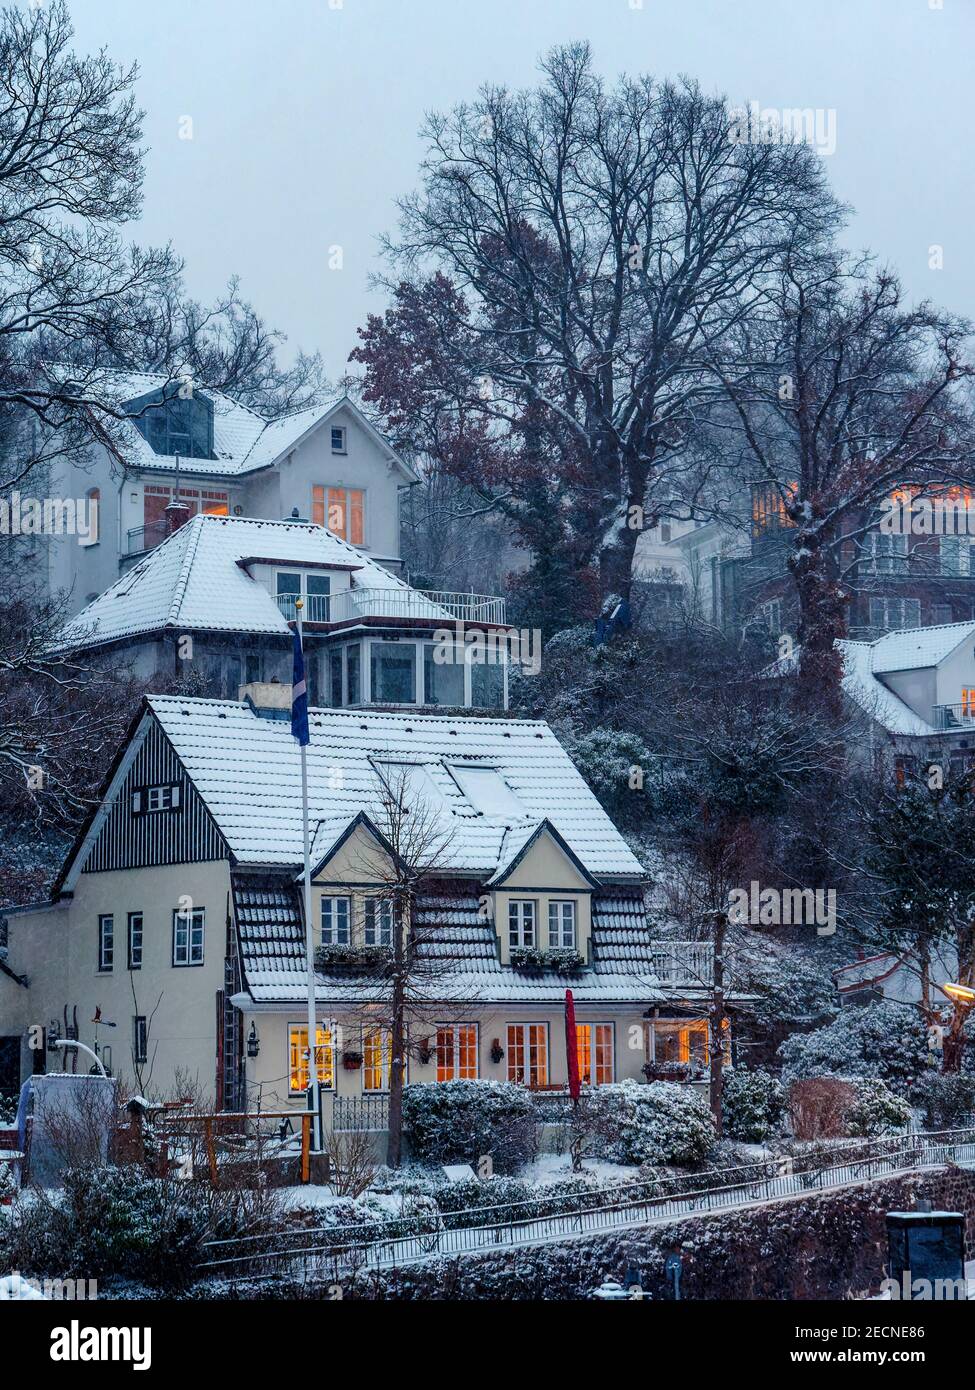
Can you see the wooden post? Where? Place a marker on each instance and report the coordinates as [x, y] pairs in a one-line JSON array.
[[305, 1146]]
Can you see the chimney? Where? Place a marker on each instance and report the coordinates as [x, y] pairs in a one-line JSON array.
[[177, 515], [267, 699]]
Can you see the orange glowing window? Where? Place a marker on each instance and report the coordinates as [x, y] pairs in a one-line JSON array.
[[344, 514], [968, 701], [594, 1048], [377, 1051], [298, 1057], [768, 508]]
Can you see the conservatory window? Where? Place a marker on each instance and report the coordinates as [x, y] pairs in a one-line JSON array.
[[392, 671], [443, 681], [298, 1057]]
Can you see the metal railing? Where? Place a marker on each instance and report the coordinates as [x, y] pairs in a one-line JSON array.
[[348, 1250], [683, 962], [362, 1114], [316, 607], [141, 538], [945, 717]]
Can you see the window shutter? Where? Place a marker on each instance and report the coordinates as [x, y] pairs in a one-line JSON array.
[[175, 796], [136, 803]]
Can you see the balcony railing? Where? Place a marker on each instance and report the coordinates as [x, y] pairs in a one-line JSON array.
[[349, 605], [684, 963], [142, 538], [949, 717]]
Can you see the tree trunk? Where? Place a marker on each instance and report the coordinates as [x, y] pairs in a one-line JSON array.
[[716, 1029], [397, 1061], [822, 621]]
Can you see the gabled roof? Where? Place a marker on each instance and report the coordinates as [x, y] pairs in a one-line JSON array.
[[243, 440], [517, 842], [196, 580], [861, 685], [247, 770], [328, 843]]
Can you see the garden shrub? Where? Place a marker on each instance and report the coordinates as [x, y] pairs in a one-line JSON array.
[[659, 1123], [874, 1109], [752, 1104], [884, 1040], [464, 1121], [946, 1100]]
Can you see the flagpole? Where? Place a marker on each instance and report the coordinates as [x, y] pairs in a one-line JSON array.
[[313, 1083]]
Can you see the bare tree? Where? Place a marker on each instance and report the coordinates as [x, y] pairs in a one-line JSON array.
[[591, 248]]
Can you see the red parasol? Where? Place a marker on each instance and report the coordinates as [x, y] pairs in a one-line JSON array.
[[571, 1046]]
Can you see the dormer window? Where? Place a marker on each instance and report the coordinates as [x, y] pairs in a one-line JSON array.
[[562, 925], [291, 585], [521, 923], [173, 423], [338, 439]]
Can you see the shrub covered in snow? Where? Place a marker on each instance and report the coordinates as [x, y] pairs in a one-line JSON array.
[[111, 1221], [659, 1123], [752, 1103], [875, 1110], [946, 1100], [464, 1121], [884, 1040], [606, 758]]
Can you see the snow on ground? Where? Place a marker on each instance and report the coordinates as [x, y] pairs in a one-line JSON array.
[[551, 1168]]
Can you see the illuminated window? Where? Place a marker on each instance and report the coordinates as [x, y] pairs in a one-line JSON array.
[[768, 508], [342, 510], [298, 1056], [562, 925], [377, 1052], [594, 1048], [521, 923], [378, 923], [683, 1041], [335, 921], [528, 1054], [457, 1052], [968, 701]]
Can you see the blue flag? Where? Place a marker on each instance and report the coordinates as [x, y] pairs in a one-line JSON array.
[[299, 695]]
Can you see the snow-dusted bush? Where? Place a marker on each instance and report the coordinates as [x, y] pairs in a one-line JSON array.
[[875, 1110], [752, 1104], [885, 1040], [606, 757], [111, 1221], [946, 1100], [464, 1121], [660, 1123]]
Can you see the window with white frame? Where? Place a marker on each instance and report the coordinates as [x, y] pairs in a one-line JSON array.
[[528, 1054], [336, 915], [562, 925], [957, 556], [377, 929], [594, 1050], [338, 439], [887, 554], [521, 922], [298, 1056], [457, 1052], [106, 942], [159, 798], [135, 940], [188, 935], [377, 1052]]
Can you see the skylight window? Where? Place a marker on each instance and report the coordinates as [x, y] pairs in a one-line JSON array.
[[410, 782], [488, 792]]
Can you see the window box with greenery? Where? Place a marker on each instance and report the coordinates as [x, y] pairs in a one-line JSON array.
[[561, 960], [351, 1060], [339, 956]]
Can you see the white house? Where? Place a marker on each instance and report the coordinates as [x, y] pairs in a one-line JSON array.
[[178, 914], [187, 443], [214, 601]]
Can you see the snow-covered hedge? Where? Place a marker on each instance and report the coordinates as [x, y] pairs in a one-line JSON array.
[[659, 1123], [947, 1100], [875, 1110], [752, 1103], [884, 1040], [465, 1121]]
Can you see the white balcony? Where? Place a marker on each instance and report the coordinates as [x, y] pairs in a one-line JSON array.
[[684, 964], [434, 606]]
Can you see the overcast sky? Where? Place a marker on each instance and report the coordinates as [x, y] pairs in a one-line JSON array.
[[304, 118]]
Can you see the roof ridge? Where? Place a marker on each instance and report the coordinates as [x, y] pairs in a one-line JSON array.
[[185, 567]]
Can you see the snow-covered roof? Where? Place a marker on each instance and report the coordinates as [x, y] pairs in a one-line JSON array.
[[272, 942], [861, 684], [914, 648], [195, 581], [243, 440], [247, 771]]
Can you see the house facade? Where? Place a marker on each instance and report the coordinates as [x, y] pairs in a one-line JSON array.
[[182, 445], [175, 938], [215, 605]]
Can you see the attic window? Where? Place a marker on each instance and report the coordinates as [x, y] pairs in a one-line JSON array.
[[338, 439], [173, 422], [488, 792], [158, 798]]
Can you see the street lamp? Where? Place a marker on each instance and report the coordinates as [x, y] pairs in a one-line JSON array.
[[961, 994]]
